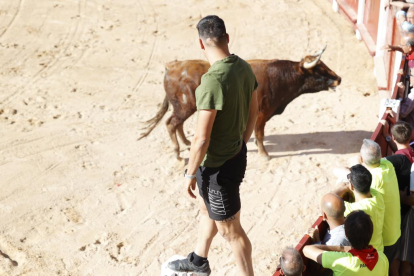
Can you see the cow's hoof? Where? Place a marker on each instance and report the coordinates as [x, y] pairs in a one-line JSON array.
[[265, 157]]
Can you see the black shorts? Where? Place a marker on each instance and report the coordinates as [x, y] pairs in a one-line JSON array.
[[392, 251], [219, 187]]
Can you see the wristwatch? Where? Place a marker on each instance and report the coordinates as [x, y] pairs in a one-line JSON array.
[[189, 176], [388, 138]]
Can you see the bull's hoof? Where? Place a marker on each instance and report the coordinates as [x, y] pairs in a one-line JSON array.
[[265, 157]]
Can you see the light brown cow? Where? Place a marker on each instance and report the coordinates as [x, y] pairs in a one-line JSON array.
[[280, 82]]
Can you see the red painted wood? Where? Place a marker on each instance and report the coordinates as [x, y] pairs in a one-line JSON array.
[[371, 17], [353, 4], [347, 7]]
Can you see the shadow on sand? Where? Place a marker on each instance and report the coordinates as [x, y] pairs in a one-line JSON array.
[[339, 142]]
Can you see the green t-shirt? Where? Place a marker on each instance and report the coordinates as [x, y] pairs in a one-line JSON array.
[[227, 87], [384, 180], [375, 208], [344, 264]]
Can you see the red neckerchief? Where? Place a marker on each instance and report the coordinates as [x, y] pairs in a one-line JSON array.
[[368, 256], [410, 56], [409, 152]]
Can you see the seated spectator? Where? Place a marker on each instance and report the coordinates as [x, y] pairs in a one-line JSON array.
[[366, 199], [399, 140], [333, 209], [291, 263], [384, 180], [358, 259], [405, 21]]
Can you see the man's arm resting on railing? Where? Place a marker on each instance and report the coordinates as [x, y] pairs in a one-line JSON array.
[[314, 252]]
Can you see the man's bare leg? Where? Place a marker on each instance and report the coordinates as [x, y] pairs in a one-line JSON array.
[[233, 232], [206, 232]]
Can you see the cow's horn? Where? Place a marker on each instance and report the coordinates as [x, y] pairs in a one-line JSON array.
[[308, 65]]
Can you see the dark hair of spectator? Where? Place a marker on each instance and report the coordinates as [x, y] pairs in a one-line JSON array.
[[401, 132], [360, 178], [410, 42], [359, 229], [212, 27]]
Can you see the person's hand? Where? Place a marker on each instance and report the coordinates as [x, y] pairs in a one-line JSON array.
[[387, 4], [355, 160], [387, 47], [385, 128], [401, 72], [391, 117], [347, 248], [314, 234], [190, 186]]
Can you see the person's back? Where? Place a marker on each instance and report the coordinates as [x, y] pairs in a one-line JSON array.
[[346, 264], [232, 82], [384, 180], [375, 208], [360, 258]]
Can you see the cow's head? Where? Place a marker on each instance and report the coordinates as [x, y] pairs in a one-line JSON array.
[[317, 75]]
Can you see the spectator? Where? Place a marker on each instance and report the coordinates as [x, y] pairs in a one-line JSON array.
[[366, 199], [405, 21], [291, 263], [384, 180], [399, 4], [358, 259], [407, 48], [402, 161], [333, 209]]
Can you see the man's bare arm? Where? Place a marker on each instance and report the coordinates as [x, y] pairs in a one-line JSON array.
[[341, 189], [314, 252], [201, 139], [253, 111]]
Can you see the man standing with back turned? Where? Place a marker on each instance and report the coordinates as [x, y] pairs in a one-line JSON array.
[[227, 109]]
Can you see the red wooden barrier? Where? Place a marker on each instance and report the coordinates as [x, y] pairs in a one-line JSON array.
[[377, 135], [349, 8]]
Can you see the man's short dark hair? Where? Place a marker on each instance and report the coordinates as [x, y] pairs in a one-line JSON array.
[[360, 178], [291, 262], [359, 229], [212, 27], [402, 132]]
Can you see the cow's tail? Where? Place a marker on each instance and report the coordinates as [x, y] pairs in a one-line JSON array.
[[153, 122]]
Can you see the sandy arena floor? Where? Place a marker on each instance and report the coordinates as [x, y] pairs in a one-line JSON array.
[[81, 196]]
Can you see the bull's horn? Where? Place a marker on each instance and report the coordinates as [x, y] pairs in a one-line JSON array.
[[309, 65]]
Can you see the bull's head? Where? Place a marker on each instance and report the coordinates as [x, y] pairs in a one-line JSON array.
[[318, 76]]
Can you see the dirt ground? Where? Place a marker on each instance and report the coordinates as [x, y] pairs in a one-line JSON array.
[[81, 196]]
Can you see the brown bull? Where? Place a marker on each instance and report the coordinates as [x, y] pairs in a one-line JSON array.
[[280, 82]]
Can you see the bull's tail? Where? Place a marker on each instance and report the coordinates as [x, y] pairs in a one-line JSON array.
[[153, 122]]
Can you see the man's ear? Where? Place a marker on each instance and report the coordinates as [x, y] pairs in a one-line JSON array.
[[324, 216], [351, 187], [281, 272], [201, 44], [304, 268], [228, 38]]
